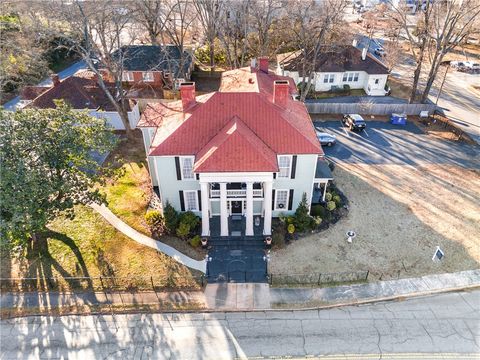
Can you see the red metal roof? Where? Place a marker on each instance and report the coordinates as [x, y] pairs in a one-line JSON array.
[[259, 128], [236, 148]]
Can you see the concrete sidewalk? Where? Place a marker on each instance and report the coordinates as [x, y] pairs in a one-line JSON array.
[[246, 297], [376, 291]]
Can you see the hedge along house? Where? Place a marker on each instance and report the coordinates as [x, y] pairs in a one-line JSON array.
[[81, 92], [149, 69], [335, 68], [248, 151]]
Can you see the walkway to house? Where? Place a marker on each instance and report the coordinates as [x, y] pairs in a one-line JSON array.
[[148, 241]]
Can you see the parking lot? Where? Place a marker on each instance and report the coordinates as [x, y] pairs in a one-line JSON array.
[[383, 143]]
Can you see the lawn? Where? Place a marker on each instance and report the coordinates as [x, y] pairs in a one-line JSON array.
[[400, 214], [88, 246], [399, 89]]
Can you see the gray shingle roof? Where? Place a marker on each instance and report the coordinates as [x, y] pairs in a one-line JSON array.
[[341, 59], [153, 57]]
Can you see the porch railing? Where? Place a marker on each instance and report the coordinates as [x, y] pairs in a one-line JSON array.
[[236, 193]]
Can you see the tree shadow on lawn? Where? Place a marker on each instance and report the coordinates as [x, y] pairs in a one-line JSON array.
[[41, 264]]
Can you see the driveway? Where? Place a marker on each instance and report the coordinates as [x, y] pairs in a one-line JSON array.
[[385, 144], [72, 69]]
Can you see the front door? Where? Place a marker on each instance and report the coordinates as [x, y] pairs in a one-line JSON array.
[[237, 207]]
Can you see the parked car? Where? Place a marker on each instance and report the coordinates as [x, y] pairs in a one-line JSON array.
[[380, 51], [354, 122], [325, 138]]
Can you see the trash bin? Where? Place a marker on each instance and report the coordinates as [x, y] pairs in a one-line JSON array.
[[398, 119]]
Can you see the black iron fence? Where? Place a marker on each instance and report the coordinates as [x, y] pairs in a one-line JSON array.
[[319, 278], [102, 283]]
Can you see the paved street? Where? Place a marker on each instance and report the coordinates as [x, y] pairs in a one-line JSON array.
[[443, 324], [384, 143]]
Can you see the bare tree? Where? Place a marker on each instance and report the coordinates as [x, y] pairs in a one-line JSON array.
[[152, 15], [209, 14], [262, 13], [451, 23], [313, 26], [234, 27], [105, 30]]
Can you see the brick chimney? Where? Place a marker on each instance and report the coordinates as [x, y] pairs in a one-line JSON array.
[[263, 64], [187, 93], [55, 79], [281, 91]]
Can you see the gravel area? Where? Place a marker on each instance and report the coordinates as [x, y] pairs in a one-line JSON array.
[[400, 214]]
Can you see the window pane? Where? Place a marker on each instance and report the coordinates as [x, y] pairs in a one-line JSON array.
[[284, 166], [332, 77], [356, 77], [187, 168], [191, 200], [148, 76], [350, 76], [345, 77], [325, 78], [282, 198]]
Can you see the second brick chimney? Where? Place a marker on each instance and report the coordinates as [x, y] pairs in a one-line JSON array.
[[263, 64], [55, 79], [281, 91], [187, 94]]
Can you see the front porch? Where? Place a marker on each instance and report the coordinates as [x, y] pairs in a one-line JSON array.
[[236, 226]]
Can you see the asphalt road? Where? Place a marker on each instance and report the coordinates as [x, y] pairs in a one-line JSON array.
[[442, 326], [384, 143]]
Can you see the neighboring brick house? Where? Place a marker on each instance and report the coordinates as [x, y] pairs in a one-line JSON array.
[[248, 151], [337, 67], [82, 92]]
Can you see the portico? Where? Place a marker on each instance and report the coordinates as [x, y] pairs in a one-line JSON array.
[[234, 197]]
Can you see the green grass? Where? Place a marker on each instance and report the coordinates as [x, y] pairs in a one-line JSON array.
[[128, 195]]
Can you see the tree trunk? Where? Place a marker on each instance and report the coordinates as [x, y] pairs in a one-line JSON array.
[[212, 55], [418, 71], [431, 76]]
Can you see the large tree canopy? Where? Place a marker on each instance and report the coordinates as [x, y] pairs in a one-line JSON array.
[[46, 167]]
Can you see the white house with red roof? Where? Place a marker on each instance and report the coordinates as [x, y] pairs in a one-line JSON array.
[[247, 152]]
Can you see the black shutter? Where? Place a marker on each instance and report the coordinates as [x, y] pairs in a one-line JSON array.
[[274, 175], [294, 166], [200, 200], [198, 176], [182, 202], [177, 165], [290, 200], [273, 199]]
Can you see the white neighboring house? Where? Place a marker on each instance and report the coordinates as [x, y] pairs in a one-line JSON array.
[[81, 92], [335, 68]]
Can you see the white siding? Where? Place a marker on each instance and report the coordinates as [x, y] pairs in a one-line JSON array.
[[114, 119]]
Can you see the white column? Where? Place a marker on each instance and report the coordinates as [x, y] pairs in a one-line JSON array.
[[249, 212], [267, 199], [223, 210], [324, 190], [205, 209]]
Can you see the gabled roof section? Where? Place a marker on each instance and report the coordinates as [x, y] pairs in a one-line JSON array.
[[339, 59], [80, 90], [236, 148]]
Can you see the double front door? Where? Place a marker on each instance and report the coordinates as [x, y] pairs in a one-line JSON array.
[[236, 207]]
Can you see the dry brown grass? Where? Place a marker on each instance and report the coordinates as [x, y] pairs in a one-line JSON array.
[[400, 214]]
